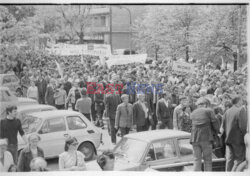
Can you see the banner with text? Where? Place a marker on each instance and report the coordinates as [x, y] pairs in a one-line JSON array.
[[126, 59], [85, 49], [183, 67]]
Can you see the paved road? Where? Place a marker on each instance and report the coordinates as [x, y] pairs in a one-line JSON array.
[[53, 163]]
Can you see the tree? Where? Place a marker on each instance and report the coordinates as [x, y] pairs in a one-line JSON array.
[[75, 21]]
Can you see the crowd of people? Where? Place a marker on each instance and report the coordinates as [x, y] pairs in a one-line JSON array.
[[142, 97]]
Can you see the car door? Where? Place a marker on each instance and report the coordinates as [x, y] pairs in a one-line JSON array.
[[162, 155], [53, 134], [187, 159], [78, 128]]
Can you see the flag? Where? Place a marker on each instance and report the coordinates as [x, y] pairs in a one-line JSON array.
[[59, 69]]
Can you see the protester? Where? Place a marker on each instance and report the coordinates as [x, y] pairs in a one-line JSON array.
[[106, 161], [10, 126], [74, 95], [124, 116], [50, 91], [179, 113], [83, 104], [41, 84], [164, 112], [234, 125], [6, 159], [141, 113], [38, 164], [60, 97], [28, 153], [203, 122], [111, 101], [71, 159], [32, 91]]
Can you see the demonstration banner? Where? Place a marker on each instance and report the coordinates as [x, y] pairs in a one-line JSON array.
[[183, 67], [126, 59], [85, 49]]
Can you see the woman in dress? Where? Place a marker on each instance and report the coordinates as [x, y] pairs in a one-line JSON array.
[[71, 159]]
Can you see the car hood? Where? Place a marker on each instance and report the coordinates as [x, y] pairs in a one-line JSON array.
[[22, 100], [123, 165]]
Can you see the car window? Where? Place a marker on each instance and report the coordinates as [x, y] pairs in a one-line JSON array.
[[53, 125], [131, 150], [164, 149], [6, 79], [185, 147], [30, 124], [151, 154], [75, 123]]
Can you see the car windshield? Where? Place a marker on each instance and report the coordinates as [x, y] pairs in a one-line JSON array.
[[130, 149], [30, 124]]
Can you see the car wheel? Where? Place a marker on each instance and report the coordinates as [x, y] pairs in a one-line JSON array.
[[88, 150]]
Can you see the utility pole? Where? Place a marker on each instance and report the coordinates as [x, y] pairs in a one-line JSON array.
[[239, 36], [110, 28]]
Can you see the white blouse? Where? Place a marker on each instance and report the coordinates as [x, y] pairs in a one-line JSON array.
[[8, 161]]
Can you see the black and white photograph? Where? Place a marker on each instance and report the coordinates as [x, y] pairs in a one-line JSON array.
[[146, 87]]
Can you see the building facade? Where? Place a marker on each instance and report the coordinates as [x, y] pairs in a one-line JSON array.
[[118, 28]]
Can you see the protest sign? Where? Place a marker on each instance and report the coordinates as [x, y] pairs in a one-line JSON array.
[[183, 67], [85, 49], [126, 59]]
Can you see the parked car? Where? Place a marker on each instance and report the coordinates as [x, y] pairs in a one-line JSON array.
[[162, 150], [23, 110], [55, 126], [12, 82], [8, 98]]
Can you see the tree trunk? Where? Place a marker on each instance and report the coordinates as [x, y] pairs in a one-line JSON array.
[[81, 38], [187, 56]]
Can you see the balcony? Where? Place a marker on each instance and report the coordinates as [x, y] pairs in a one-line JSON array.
[[97, 11], [102, 29]]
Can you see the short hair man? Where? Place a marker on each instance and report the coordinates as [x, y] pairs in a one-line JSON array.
[[9, 127]]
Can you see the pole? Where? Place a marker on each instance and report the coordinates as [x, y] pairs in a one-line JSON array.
[[110, 28], [239, 37], [130, 28]]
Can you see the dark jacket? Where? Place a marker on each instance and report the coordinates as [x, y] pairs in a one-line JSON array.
[[203, 122], [25, 158], [163, 112], [111, 102], [139, 114], [41, 86], [234, 123], [49, 95], [123, 118]]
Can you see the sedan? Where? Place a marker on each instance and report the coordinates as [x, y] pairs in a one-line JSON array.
[[55, 126], [162, 150]]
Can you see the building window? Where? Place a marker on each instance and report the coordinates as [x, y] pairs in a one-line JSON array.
[[103, 21]]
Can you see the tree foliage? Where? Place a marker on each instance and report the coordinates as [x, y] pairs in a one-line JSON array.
[[198, 32]]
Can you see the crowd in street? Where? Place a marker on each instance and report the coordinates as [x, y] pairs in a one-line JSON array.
[[209, 104]]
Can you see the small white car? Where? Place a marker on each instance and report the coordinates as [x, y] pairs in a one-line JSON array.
[[8, 98], [55, 126], [23, 110]]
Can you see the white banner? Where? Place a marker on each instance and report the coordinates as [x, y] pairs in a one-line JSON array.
[[183, 67], [85, 49], [126, 59]]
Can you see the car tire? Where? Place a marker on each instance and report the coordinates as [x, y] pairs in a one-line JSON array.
[[88, 150]]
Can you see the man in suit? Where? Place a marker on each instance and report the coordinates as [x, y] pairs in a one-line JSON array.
[[203, 122], [234, 126], [141, 113], [178, 113], [41, 84], [164, 112], [124, 116], [111, 100]]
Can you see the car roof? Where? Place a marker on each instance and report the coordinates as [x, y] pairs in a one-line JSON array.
[[55, 113], [149, 136], [33, 106]]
